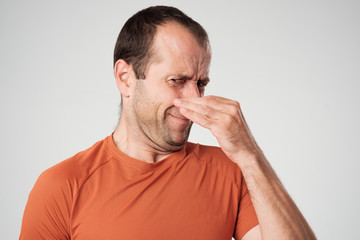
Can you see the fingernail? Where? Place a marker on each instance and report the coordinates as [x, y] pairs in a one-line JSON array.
[[177, 101], [183, 110]]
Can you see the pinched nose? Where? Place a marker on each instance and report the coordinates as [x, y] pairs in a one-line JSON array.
[[190, 90]]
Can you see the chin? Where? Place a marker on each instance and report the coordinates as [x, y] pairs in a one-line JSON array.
[[177, 144], [175, 140], [174, 147]]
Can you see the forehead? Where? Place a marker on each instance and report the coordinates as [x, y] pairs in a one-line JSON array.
[[174, 41]]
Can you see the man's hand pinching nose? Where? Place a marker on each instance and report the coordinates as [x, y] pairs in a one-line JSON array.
[[223, 117]]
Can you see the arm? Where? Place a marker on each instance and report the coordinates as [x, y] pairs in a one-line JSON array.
[[278, 216], [47, 212]]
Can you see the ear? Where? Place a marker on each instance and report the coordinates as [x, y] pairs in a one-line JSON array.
[[122, 71]]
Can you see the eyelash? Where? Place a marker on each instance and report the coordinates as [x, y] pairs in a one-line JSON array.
[[177, 80], [199, 83]]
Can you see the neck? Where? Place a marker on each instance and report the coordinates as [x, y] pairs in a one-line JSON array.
[[135, 144]]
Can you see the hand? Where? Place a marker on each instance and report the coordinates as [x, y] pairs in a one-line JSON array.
[[223, 117]]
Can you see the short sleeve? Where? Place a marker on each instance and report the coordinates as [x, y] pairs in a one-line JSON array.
[[247, 218], [47, 212]]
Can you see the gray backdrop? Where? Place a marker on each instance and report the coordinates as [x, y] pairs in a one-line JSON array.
[[293, 66]]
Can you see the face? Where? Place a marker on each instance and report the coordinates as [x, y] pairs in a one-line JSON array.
[[179, 69]]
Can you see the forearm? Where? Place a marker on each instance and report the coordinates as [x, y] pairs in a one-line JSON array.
[[279, 217]]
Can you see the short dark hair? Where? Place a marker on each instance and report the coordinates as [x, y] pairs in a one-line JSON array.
[[135, 40]]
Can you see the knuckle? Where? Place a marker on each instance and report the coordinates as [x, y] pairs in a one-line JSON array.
[[208, 111], [236, 104], [234, 111], [210, 99], [204, 120], [207, 101]]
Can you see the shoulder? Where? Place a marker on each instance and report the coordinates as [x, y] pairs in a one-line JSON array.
[[74, 171], [48, 210]]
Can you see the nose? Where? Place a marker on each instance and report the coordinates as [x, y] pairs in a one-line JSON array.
[[191, 90]]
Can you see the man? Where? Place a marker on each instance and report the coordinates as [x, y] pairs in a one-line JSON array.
[[145, 181]]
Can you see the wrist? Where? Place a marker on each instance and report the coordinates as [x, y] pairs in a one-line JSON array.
[[246, 159]]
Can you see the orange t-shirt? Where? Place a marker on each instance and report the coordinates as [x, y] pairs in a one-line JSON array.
[[101, 193]]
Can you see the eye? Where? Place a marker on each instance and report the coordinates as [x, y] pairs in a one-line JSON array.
[[178, 81], [201, 83]]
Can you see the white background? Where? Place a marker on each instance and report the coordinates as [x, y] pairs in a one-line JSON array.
[[292, 65]]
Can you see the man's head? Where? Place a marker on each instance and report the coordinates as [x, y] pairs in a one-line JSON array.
[[166, 55], [135, 41]]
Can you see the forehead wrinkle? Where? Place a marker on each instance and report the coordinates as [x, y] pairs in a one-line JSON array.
[[186, 55], [194, 65]]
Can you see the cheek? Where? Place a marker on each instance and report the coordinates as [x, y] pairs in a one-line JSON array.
[[156, 100], [166, 100], [171, 94]]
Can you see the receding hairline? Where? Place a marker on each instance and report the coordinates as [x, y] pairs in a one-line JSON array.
[[153, 57], [204, 43]]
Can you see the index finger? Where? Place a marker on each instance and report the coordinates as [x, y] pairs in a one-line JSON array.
[[216, 102]]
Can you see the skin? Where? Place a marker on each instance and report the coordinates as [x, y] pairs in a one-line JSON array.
[[279, 217], [158, 112], [149, 116]]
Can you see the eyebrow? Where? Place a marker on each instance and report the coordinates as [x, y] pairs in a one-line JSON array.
[[183, 76]]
